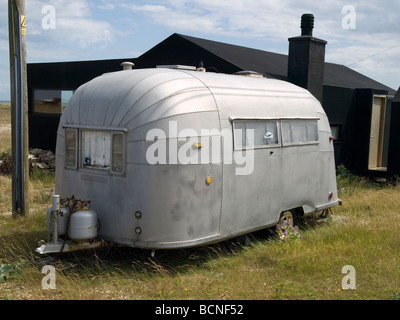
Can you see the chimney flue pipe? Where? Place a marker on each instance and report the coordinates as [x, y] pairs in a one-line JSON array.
[[307, 24]]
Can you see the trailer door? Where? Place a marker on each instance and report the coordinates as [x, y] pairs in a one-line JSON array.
[[252, 180]]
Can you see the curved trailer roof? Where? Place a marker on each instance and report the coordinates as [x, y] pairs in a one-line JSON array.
[[130, 99], [137, 101]]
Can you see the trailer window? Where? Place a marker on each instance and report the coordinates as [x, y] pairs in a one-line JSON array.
[[256, 133], [117, 161], [96, 146], [71, 143], [299, 132], [102, 150]]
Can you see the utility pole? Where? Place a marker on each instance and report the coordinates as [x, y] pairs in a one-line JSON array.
[[19, 107]]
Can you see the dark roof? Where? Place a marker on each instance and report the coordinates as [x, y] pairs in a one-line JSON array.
[[397, 96], [69, 75], [267, 63], [264, 62]]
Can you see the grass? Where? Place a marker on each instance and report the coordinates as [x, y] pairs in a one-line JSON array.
[[363, 233], [5, 134]]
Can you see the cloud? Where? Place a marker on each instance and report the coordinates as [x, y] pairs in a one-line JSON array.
[[240, 18], [209, 17], [273, 22], [107, 6], [86, 28], [74, 27]]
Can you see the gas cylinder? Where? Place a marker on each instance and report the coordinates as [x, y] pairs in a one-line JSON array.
[[83, 223], [62, 222], [62, 218]]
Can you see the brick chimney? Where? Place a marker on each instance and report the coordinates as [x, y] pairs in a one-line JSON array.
[[306, 59]]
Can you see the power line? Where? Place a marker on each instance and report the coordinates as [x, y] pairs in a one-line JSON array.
[[373, 55]]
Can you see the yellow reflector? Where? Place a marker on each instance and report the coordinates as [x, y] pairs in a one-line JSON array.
[[208, 180]]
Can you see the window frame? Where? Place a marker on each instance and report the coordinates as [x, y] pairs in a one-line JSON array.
[[123, 152], [258, 146], [336, 132], [79, 157], [299, 143], [76, 153], [279, 122], [59, 99]]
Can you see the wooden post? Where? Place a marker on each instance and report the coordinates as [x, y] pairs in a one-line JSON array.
[[19, 108]]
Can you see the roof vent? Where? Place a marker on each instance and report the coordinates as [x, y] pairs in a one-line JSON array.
[[248, 73], [307, 24], [127, 65], [177, 66], [200, 67]]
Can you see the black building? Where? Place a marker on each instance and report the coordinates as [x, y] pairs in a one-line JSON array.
[[360, 109]]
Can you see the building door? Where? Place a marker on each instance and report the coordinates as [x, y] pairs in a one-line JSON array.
[[377, 134]]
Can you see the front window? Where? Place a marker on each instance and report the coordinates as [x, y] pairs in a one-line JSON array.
[[117, 158], [98, 149], [71, 144]]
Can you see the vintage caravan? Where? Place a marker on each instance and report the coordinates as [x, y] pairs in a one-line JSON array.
[[172, 157]]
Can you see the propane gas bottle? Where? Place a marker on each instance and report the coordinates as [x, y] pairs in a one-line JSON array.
[[83, 223], [62, 218]]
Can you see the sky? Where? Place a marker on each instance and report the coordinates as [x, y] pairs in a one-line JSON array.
[[364, 35]]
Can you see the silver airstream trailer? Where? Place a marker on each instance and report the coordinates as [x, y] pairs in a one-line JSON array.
[[173, 158]]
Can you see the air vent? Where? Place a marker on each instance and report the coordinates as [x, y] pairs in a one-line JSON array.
[[177, 66], [127, 65], [248, 73]]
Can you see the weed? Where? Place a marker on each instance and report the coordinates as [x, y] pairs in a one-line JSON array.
[[290, 233], [10, 271]]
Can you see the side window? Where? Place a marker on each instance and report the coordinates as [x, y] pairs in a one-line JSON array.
[[256, 134], [71, 145], [299, 132]]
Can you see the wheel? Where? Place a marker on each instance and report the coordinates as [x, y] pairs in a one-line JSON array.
[[244, 240], [286, 219]]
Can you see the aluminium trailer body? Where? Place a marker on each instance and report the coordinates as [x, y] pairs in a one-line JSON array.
[[175, 158]]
